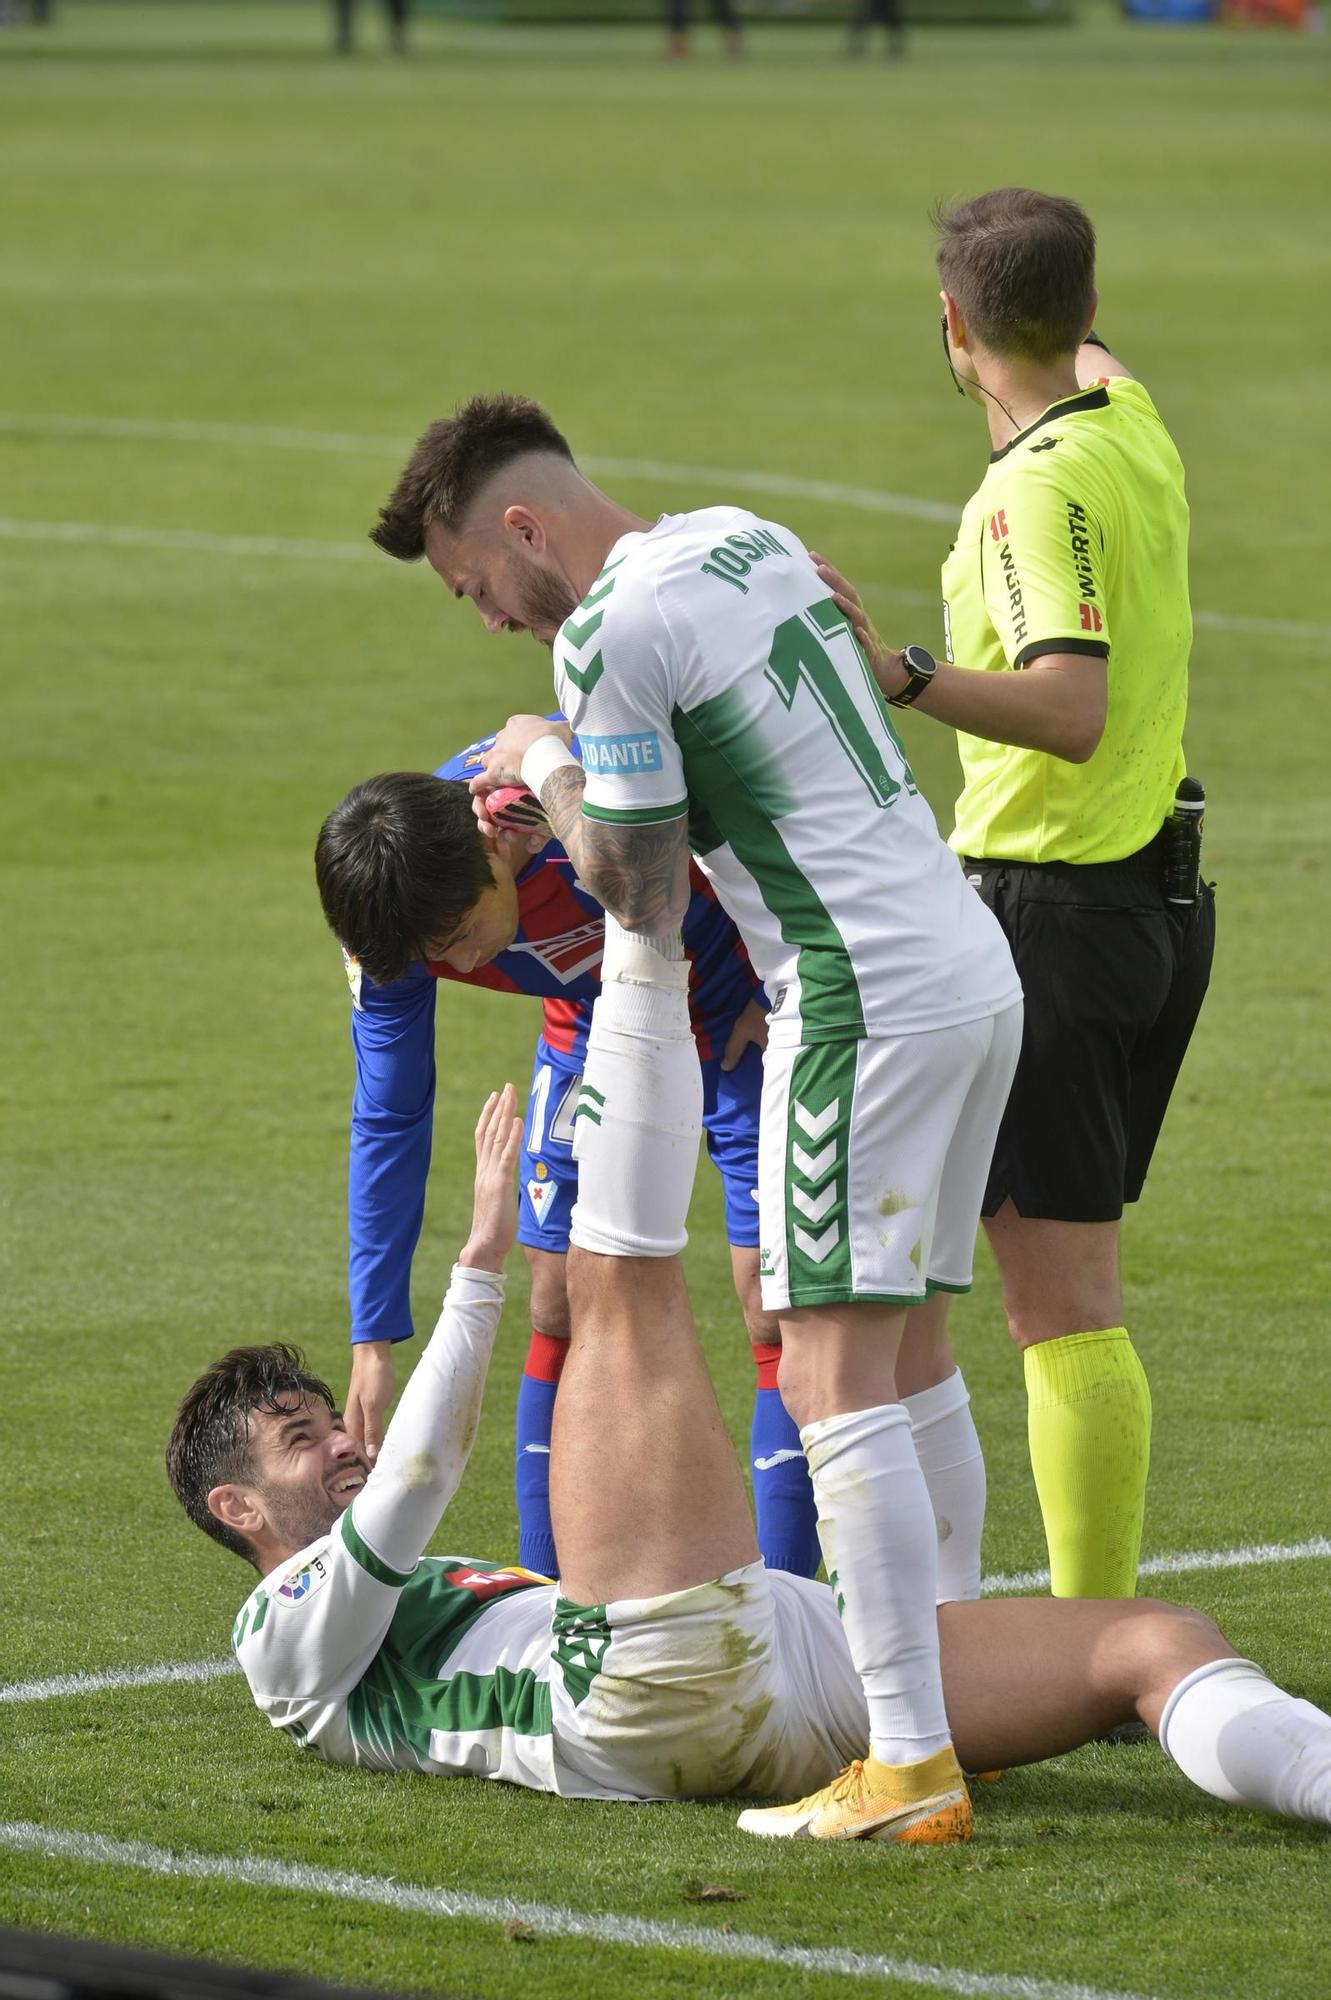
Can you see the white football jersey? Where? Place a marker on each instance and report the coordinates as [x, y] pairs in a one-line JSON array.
[[444, 1670], [709, 672]]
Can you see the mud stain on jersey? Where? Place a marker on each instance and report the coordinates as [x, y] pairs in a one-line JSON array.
[[420, 1470]]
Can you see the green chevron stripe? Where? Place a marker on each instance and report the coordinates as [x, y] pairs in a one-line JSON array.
[[578, 635], [585, 678]]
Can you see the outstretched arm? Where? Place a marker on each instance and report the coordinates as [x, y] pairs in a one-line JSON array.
[[429, 1440], [392, 1030], [1057, 703]]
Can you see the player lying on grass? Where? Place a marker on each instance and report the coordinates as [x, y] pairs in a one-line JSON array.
[[416, 892], [668, 1662]]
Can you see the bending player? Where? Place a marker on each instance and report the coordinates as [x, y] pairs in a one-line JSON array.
[[735, 717], [415, 894], [669, 1662]]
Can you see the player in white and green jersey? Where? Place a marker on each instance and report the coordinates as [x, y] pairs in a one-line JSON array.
[[718, 682], [670, 1663], [723, 705]]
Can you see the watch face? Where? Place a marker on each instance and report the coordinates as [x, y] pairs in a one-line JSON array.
[[919, 660]]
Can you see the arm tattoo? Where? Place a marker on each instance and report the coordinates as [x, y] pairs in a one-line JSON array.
[[561, 796], [640, 873]]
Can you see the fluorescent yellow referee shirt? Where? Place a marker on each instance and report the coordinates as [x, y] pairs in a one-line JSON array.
[[1077, 542]]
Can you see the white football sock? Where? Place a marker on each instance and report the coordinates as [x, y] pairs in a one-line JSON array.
[[952, 1462], [638, 1121], [643, 961], [879, 1542], [1244, 1740]]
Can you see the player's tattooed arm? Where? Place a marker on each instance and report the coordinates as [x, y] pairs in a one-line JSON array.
[[640, 873]]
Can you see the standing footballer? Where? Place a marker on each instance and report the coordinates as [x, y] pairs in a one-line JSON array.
[[1068, 630], [722, 704]]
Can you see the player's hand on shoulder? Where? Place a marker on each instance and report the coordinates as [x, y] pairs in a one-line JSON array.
[[494, 1215], [369, 1393], [884, 663]]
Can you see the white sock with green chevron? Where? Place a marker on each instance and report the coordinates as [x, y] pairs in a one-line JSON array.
[[952, 1462], [636, 1128], [876, 1526]]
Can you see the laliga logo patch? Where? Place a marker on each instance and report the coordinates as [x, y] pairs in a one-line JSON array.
[[298, 1584], [541, 1194], [353, 975]]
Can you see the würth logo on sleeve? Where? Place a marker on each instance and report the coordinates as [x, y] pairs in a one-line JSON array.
[[1016, 601], [1091, 621], [998, 526], [1080, 542]]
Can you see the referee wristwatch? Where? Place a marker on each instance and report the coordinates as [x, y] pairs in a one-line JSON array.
[[921, 667]]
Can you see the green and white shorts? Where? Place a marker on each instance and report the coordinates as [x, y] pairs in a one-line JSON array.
[[742, 1687], [872, 1162]]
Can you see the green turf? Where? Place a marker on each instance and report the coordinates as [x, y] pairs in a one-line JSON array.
[[208, 220]]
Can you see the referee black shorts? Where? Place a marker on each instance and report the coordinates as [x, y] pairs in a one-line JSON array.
[[1114, 979]]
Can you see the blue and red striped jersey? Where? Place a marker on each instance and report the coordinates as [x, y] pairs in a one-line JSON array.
[[555, 957]]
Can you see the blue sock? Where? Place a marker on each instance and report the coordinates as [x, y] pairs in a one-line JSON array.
[[782, 1492], [536, 1408]]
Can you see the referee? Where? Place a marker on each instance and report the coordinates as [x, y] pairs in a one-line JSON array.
[[1068, 627]]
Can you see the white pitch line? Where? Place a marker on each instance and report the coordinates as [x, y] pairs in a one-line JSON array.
[[150, 430], [868, 499], [545, 1919], [273, 437], [188, 539], [196, 542], [117, 1677], [1184, 1564], [1189, 1563]]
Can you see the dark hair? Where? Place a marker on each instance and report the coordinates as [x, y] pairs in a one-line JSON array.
[[400, 865], [454, 460], [1021, 267], [210, 1439]]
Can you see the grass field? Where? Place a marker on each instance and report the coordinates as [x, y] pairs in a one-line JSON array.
[[238, 277]]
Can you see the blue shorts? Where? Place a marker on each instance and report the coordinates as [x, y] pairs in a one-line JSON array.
[[549, 1179]]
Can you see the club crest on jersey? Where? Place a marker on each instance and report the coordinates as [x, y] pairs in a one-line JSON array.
[[569, 955], [354, 975], [541, 1194], [302, 1582]]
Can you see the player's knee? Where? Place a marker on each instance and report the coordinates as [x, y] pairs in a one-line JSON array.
[[798, 1381], [599, 1290], [763, 1328], [549, 1298], [1162, 1642]]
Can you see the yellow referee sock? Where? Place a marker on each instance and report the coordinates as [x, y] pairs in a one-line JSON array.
[[1089, 1425]]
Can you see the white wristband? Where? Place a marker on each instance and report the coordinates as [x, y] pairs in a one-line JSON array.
[[547, 754]]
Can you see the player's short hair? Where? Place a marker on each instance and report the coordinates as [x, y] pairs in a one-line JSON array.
[[1021, 267], [401, 863], [453, 460], [210, 1440]]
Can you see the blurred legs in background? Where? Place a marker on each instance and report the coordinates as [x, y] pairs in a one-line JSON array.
[[888, 12], [677, 24], [344, 22]]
